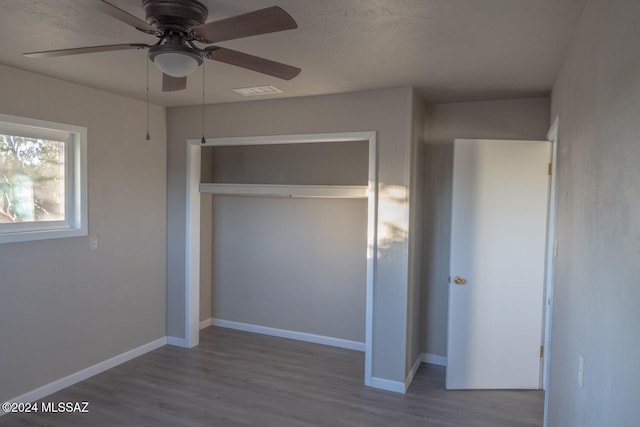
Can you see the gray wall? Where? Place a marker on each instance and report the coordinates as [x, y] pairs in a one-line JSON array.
[[293, 264], [62, 307], [329, 163], [595, 313], [414, 303], [384, 111], [506, 119]]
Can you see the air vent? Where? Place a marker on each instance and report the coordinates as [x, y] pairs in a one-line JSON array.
[[260, 90]]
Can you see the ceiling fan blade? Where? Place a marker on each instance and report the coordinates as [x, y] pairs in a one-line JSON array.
[[261, 21], [171, 84], [125, 17], [250, 62], [81, 50]]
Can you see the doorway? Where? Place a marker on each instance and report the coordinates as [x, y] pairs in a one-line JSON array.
[[498, 247], [192, 244]]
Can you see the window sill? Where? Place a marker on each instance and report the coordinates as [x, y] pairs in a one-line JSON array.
[[28, 236]]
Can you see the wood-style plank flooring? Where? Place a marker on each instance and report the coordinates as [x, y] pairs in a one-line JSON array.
[[237, 378]]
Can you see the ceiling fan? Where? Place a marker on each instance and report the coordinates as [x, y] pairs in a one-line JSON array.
[[179, 25]]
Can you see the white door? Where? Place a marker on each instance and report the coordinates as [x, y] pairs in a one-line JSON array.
[[498, 234]]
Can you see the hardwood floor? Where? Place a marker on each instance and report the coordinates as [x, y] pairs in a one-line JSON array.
[[241, 379]]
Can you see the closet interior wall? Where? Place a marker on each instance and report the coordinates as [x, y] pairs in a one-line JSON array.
[[297, 264]]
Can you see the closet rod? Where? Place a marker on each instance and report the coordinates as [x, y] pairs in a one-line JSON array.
[[269, 190]]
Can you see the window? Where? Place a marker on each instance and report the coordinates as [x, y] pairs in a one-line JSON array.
[[42, 180]]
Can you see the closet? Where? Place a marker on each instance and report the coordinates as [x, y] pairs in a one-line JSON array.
[[288, 235]]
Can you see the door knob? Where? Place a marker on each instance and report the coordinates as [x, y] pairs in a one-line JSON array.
[[459, 280]]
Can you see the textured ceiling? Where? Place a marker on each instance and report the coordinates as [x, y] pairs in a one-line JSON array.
[[449, 50]]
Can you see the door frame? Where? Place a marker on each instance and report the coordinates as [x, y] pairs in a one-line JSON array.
[[544, 255], [192, 243], [552, 253]]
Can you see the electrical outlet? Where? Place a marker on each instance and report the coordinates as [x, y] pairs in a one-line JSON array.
[[94, 243], [580, 370]]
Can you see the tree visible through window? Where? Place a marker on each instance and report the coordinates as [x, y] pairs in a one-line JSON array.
[[43, 180], [32, 179]]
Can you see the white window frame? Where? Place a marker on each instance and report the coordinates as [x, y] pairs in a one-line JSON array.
[[75, 139]]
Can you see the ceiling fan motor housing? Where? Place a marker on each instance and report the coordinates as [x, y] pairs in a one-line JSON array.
[[175, 15]]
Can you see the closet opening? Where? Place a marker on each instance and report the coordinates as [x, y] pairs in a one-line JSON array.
[[293, 236]]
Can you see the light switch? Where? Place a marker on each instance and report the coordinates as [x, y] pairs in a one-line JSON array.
[[94, 243]]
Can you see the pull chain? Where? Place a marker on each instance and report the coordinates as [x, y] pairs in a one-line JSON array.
[[148, 138], [203, 140]]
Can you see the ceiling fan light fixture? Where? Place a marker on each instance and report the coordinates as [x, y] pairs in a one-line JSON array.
[[175, 61]]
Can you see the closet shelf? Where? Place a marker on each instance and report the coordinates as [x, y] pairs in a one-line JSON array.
[[268, 190]]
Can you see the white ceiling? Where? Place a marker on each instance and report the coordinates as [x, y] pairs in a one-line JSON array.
[[449, 50]]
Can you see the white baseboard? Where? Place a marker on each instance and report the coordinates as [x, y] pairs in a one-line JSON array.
[[381, 383], [206, 323], [434, 359], [412, 372], [65, 382], [397, 386], [178, 342], [283, 333]]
